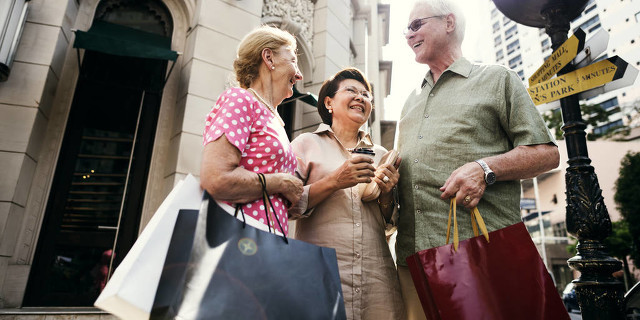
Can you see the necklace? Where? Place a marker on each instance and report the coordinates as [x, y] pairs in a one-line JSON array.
[[348, 149], [272, 109]]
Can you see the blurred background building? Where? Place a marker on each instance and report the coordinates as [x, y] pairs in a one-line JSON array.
[[102, 107]]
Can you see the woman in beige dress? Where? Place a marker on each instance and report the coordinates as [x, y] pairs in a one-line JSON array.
[[331, 212]]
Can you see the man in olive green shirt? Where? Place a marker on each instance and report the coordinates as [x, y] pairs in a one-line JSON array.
[[471, 131]]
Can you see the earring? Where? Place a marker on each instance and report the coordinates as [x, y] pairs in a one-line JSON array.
[[273, 67], [330, 110]]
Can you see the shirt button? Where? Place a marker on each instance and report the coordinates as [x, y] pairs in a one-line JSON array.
[[416, 160], [357, 254], [358, 224], [357, 290], [426, 116], [418, 211], [431, 94], [416, 187], [420, 137]]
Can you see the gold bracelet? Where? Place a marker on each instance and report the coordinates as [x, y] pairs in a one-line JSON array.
[[385, 205]]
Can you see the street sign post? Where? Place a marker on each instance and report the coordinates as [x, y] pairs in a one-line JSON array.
[[589, 77], [559, 58]]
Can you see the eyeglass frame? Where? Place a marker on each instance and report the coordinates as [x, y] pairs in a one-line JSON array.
[[366, 94], [409, 29]]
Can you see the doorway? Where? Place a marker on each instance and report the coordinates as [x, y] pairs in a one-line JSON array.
[[93, 212]]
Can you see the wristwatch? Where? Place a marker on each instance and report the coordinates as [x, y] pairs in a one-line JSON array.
[[489, 175]]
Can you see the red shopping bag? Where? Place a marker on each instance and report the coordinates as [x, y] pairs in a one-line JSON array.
[[503, 278]]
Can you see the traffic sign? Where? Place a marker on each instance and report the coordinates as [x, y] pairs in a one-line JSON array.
[[559, 58], [593, 47], [589, 77]]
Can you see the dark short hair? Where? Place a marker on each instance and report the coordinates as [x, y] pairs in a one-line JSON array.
[[330, 87]]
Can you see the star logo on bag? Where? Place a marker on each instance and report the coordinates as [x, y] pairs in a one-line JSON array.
[[247, 246]]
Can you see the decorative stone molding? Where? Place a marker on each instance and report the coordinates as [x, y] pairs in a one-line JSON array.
[[300, 12]]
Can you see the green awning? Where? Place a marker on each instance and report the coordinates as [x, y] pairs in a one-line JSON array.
[[308, 98], [123, 41]]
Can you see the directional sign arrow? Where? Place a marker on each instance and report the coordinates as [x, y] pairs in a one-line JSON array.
[[589, 77], [594, 46], [627, 79], [559, 58]]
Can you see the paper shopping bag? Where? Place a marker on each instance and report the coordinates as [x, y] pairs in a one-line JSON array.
[[236, 271], [503, 278], [130, 292]]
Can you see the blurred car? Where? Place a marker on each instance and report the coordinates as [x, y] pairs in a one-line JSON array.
[[569, 298]]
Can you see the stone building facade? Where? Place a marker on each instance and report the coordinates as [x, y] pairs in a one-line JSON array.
[[91, 142]]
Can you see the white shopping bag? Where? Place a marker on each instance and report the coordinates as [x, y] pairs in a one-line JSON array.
[[130, 292]]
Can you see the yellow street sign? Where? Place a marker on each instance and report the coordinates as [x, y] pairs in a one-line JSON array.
[[591, 76], [559, 58]]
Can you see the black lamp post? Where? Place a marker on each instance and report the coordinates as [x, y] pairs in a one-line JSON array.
[[599, 293]]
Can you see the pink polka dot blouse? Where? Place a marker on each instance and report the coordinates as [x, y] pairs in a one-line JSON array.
[[263, 142]]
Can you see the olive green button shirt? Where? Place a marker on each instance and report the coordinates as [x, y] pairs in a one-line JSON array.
[[473, 111]]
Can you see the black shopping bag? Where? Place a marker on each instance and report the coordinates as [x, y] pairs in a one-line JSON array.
[[235, 271]]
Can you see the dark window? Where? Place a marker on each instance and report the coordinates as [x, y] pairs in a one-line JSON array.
[[513, 63], [593, 28], [511, 32], [546, 44], [499, 54], [588, 23], [613, 102], [603, 129], [497, 41], [513, 47], [496, 27]]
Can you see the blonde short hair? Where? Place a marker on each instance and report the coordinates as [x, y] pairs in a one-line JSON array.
[[249, 56]]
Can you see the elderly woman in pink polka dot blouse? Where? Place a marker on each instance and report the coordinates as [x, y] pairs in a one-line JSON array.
[[244, 135]]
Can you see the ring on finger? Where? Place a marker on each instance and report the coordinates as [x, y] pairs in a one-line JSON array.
[[385, 179], [467, 199]]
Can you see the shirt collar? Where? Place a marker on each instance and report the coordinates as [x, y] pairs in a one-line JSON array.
[[462, 66], [365, 138]]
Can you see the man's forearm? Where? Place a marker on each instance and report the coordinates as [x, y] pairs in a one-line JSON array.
[[524, 162]]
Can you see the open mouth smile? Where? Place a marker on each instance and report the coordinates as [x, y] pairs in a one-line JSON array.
[[357, 107]]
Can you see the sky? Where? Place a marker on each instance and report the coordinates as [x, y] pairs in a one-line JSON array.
[[406, 73]]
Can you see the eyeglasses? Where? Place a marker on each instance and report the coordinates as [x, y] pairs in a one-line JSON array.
[[366, 95], [416, 24]]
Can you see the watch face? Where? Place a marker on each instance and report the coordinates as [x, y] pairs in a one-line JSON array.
[[490, 178]]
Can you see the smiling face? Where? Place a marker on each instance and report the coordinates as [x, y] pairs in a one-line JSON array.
[[286, 72], [349, 107], [429, 41]]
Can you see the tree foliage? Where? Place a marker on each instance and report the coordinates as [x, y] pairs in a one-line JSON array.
[[627, 199]]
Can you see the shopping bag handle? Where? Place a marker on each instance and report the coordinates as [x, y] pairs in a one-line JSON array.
[[235, 215], [475, 217], [265, 198]]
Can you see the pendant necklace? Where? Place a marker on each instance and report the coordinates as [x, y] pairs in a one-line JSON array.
[[272, 109]]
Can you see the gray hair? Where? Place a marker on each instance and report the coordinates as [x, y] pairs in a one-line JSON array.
[[445, 7]]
